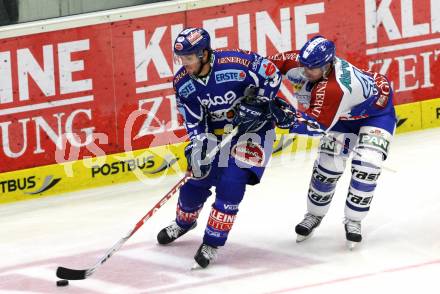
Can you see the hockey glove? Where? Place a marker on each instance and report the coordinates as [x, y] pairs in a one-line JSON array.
[[252, 114], [305, 125], [283, 113], [195, 153]]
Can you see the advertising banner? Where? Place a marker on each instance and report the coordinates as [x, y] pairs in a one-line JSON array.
[[56, 94], [148, 166], [102, 89]]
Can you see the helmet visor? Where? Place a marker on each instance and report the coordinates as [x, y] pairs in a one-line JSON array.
[[186, 59]]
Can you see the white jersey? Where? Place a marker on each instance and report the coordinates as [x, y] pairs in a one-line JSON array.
[[347, 93]]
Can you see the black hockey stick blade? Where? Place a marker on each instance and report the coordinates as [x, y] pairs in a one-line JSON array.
[[71, 274]]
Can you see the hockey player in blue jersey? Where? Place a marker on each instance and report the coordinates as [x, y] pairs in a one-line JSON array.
[[210, 92], [352, 105]]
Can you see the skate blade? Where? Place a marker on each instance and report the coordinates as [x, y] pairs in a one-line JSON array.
[[300, 238], [352, 245], [196, 267]]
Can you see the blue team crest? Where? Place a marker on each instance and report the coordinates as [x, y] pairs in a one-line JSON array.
[[230, 75], [187, 89]]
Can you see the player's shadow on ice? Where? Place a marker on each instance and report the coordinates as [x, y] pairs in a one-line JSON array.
[[153, 267], [239, 256]]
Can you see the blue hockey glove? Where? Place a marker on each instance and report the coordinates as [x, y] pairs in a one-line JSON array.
[[283, 113], [252, 113], [305, 125], [195, 153]]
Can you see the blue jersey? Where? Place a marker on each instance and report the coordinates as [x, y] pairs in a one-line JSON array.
[[208, 104]]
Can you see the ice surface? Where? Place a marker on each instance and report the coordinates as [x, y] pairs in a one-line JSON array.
[[400, 251]]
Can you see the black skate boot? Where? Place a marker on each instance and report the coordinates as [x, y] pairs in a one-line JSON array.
[[305, 228], [205, 255], [353, 233], [172, 232]]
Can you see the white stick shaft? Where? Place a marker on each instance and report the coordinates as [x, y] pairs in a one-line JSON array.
[[326, 134]]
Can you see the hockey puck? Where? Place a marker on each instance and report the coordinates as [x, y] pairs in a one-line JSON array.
[[62, 283]]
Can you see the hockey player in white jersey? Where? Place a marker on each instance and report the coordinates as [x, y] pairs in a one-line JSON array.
[[352, 105]]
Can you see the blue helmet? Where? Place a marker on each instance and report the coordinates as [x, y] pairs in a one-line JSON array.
[[192, 40], [317, 52]]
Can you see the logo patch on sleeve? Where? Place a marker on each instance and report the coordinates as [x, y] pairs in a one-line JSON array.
[[249, 152], [267, 69]]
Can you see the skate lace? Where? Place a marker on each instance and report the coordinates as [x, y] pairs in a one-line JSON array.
[[173, 230], [310, 221], [353, 226], [209, 252]]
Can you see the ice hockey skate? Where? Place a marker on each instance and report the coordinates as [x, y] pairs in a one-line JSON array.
[[204, 256], [352, 233], [306, 227], [172, 232]]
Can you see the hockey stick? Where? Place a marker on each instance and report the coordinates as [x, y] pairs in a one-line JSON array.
[[333, 138], [326, 134], [73, 274]]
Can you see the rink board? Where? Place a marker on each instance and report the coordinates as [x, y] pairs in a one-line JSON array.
[[101, 83], [418, 115], [153, 163], [140, 165], [105, 78]]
